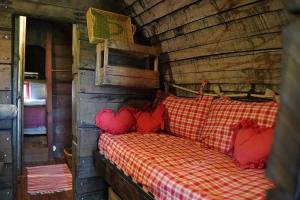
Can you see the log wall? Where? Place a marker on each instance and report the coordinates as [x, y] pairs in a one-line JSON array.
[[87, 100], [234, 44], [6, 177]]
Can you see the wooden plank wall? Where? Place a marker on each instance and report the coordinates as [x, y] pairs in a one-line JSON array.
[[62, 87], [87, 100], [6, 186], [233, 44], [284, 162]]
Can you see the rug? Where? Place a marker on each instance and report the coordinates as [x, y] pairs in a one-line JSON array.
[[48, 179]]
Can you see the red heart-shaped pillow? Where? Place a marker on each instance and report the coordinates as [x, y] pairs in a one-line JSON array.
[[151, 121], [252, 145], [115, 123]]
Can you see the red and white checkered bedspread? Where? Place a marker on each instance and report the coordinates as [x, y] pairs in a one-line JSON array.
[[175, 168]]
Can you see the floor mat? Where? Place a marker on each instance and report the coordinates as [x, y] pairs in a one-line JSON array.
[[49, 179]]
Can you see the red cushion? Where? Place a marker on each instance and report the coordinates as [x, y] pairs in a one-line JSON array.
[[151, 121], [252, 145], [115, 123], [186, 116], [224, 112]]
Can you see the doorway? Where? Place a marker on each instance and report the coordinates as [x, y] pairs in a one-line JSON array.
[[47, 92]]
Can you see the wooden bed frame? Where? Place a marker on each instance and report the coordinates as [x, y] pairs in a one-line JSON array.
[[122, 184]]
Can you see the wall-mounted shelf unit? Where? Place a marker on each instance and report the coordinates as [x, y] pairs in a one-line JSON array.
[[127, 64]]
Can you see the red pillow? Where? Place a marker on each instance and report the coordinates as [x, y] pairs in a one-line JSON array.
[[115, 123], [224, 112], [185, 117], [252, 145], [151, 121]]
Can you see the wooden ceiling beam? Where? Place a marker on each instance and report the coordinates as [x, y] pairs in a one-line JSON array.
[[69, 11]]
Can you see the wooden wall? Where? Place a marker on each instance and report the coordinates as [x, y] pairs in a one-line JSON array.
[[284, 163], [87, 100], [62, 86], [234, 44], [6, 180]]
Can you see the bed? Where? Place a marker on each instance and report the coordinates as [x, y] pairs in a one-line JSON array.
[[170, 167]]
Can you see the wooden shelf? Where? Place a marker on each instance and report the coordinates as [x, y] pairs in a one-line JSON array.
[[126, 75]]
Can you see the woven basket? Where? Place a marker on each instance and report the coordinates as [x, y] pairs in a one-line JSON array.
[[68, 156], [107, 25]]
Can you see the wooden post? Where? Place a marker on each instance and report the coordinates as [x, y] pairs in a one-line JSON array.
[[48, 66]]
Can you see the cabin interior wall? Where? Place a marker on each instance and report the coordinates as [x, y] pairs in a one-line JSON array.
[[235, 45], [6, 159]]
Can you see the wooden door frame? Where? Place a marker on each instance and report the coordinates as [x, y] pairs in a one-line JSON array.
[[48, 70], [18, 81]]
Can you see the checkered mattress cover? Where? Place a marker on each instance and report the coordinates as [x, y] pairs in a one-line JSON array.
[[175, 168]]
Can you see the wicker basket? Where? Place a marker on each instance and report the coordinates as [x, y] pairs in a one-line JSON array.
[[68, 156], [107, 25]]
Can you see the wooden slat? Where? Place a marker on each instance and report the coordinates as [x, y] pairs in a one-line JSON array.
[[237, 29], [62, 101], [131, 72], [131, 47], [231, 62], [161, 9], [75, 48], [44, 10], [134, 82], [92, 195], [5, 97], [62, 88], [48, 65], [5, 124], [7, 111], [93, 184], [5, 176], [194, 12], [62, 50], [5, 46], [62, 76], [86, 84], [239, 13], [87, 55], [62, 62], [139, 7], [245, 76], [5, 146], [74, 4], [88, 141], [259, 42], [5, 74], [6, 20]]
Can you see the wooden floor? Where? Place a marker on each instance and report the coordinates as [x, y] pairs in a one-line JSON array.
[[22, 187], [35, 148]]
